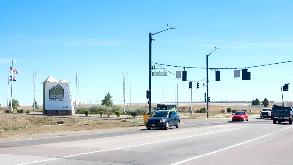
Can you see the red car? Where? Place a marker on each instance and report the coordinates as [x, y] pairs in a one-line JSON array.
[[240, 116]]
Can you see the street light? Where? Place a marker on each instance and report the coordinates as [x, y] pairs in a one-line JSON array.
[[207, 67], [149, 93]]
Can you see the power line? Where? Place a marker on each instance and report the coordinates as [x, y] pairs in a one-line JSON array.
[[223, 68], [276, 63]]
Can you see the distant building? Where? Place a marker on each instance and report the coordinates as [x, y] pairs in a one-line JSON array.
[[56, 97]]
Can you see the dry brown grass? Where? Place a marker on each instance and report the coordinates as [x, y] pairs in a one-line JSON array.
[[13, 125]]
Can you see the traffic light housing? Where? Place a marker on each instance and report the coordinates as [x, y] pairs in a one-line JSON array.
[[148, 94], [184, 75], [286, 87], [209, 99], [190, 84], [217, 75], [197, 85], [245, 74]]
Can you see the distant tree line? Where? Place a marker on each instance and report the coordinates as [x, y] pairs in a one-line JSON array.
[[265, 102]]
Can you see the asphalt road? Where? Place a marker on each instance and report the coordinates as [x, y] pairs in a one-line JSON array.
[[212, 141]]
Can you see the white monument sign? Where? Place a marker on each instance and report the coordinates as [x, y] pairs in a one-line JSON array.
[[56, 97]]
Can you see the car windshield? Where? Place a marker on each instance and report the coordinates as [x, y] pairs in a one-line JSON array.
[[239, 113], [161, 114]]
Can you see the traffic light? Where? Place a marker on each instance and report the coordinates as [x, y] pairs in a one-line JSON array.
[[205, 97], [286, 87], [148, 94], [217, 75], [184, 75], [197, 85], [209, 99], [245, 74], [190, 84]]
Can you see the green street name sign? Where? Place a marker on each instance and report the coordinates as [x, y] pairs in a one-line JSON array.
[[159, 74]]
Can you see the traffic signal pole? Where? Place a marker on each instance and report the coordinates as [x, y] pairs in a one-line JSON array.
[[207, 67], [150, 74], [149, 92]]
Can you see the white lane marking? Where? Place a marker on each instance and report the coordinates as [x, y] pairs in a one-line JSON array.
[[132, 146], [226, 148]]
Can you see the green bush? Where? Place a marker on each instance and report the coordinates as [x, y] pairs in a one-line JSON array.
[[229, 110], [133, 114], [101, 113], [27, 112], [93, 110], [201, 110], [20, 111], [86, 112], [117, 113], [80, 111], [116, 108]]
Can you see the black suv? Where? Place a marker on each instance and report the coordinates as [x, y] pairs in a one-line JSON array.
[[163, 119]]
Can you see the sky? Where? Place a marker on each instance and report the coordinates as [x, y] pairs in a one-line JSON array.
[[101, 40]]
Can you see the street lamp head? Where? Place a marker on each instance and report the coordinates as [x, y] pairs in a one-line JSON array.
[[169, 28], [215, 48]]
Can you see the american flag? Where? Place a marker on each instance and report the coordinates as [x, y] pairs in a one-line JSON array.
[[12, 69]]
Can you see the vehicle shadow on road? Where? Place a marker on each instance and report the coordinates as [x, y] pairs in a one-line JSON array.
[[230, 121], [156, 129]]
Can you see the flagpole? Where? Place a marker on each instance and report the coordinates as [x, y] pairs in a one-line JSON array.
[[11, 96], [8, 87]]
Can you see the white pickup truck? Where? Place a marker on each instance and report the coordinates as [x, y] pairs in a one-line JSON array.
[[266, 113]]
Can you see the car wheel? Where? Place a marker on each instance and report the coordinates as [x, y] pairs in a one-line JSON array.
[[247, 119], [178, 124], [274, 121], [290, 121], [148, 128], [167, 126]]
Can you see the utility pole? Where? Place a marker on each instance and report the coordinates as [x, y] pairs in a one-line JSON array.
[[129, 95], [123, 93], [76, 81], [207, 69], [149, 92]]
